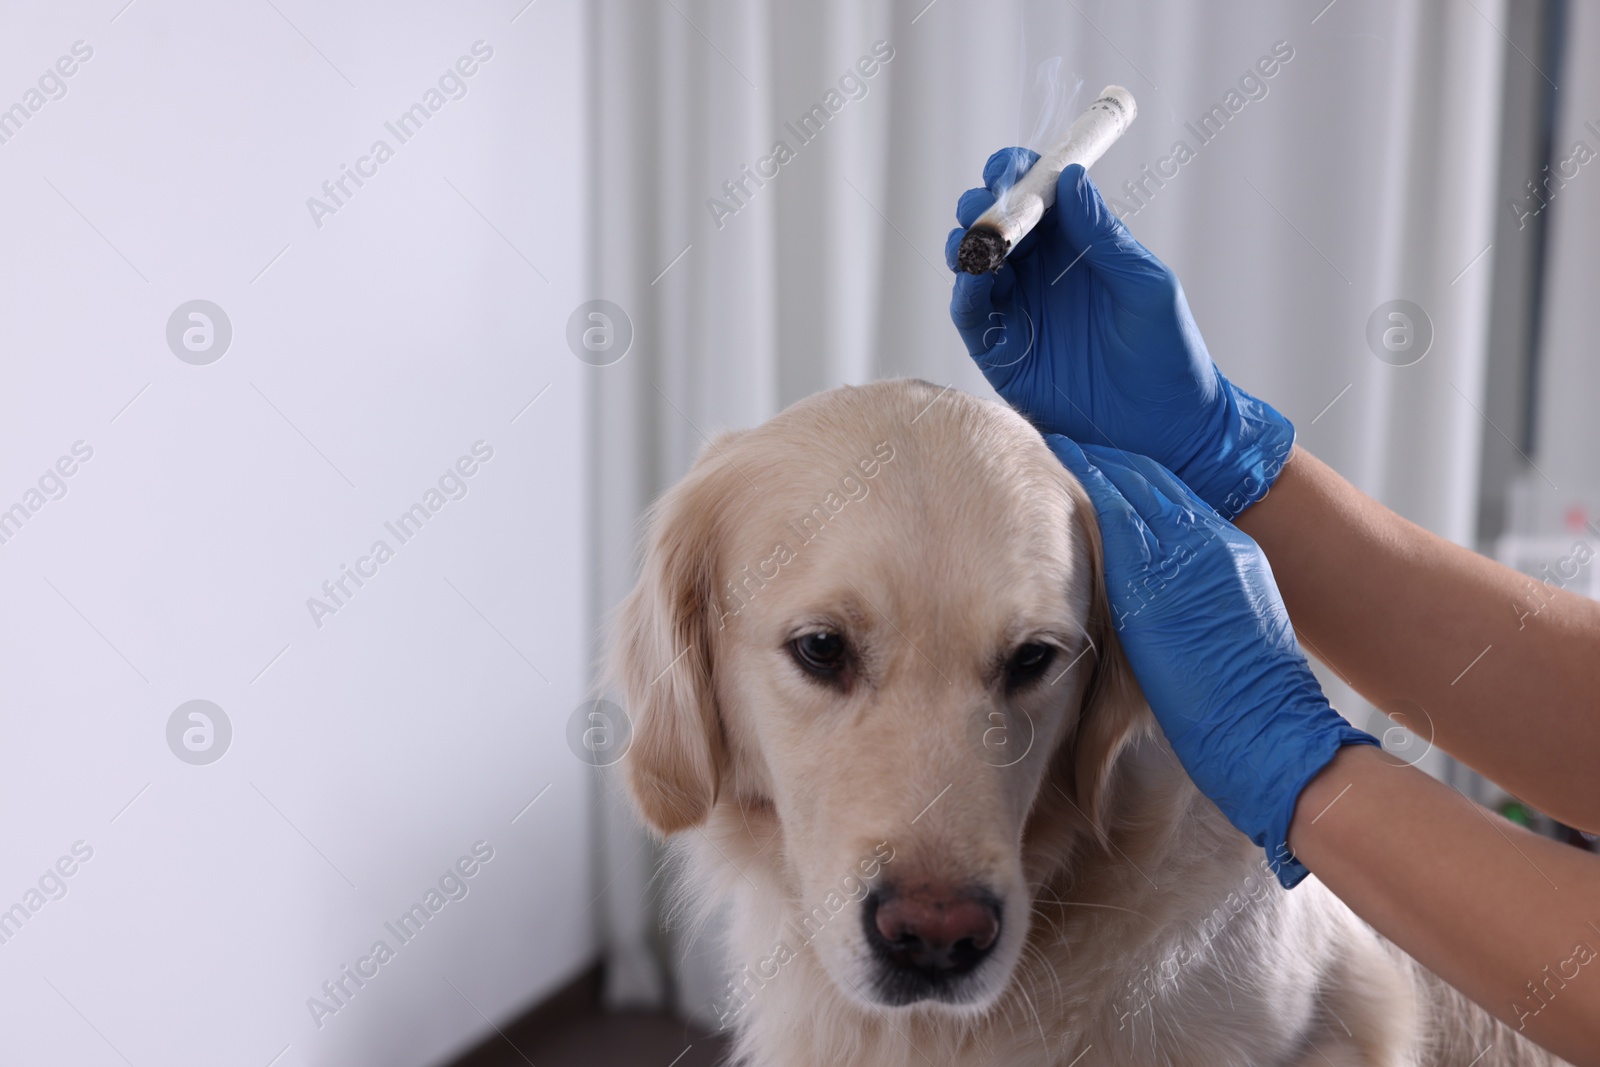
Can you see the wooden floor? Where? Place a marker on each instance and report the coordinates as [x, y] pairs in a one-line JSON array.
[[595, 1039], [570, 1030]]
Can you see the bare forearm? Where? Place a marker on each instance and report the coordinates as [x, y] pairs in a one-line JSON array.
[[1507, 670], [1509, 918]]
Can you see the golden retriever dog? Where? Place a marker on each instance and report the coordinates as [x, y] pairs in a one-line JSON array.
[[879, 704]]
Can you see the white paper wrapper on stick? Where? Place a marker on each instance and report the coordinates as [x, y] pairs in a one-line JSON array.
[[997, 231]]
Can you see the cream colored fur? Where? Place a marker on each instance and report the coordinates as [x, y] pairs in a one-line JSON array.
[[1139, 927]]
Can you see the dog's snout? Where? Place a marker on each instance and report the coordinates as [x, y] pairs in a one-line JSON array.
[[938, 932], [930, 933]]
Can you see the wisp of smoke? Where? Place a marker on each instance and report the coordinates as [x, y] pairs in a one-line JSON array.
[[1055, 103]]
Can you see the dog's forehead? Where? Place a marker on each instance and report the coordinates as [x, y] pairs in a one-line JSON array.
[[912, 490]]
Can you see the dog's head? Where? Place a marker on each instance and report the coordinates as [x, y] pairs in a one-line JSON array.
[[875, 629]]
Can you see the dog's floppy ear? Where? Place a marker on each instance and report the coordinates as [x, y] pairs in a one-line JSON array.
[[662, 655], [1113, 707]]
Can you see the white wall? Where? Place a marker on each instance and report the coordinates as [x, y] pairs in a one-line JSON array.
[[371, 752]]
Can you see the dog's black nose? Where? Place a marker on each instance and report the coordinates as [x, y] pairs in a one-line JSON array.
[[932, 933]]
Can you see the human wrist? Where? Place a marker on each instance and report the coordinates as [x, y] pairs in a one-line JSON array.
[[1273, 508], [1316, 783], [1326, 787]]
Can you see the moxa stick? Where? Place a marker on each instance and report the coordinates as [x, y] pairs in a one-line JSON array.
[[1019, 209]]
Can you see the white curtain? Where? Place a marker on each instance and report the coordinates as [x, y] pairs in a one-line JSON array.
[[1360, 172]]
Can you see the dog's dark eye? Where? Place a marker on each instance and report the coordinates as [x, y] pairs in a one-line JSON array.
[[1028, 663], [823, 653]]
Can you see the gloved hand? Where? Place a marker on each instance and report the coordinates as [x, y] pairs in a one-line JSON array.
[[1089, 335], [1203, 626]]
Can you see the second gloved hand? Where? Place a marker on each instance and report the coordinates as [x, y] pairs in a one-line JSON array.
[[1089, 335], [1200, 619]]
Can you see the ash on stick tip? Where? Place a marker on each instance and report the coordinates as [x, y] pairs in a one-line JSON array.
[[982, 249]]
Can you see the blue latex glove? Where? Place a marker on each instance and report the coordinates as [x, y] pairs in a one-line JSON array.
[[1089, 335], [1203, 626]]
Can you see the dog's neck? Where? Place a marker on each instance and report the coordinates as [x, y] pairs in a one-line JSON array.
[[1161, 835]]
